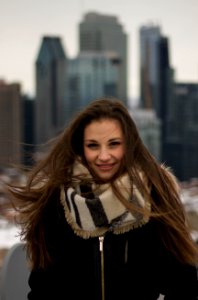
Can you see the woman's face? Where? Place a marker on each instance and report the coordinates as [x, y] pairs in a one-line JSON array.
[[104, 147]]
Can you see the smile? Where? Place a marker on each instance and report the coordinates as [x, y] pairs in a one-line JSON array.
[[105, 166]]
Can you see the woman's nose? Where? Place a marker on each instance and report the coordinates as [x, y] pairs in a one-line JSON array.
[[104, 155]]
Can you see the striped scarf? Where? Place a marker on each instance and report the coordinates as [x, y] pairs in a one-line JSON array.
[[97, 211]]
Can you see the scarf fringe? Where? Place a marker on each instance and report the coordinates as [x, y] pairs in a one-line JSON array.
[[98, 231]]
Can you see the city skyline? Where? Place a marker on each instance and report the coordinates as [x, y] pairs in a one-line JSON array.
[[24, 23]]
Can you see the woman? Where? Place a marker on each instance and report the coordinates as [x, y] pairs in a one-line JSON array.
[[102, 219]]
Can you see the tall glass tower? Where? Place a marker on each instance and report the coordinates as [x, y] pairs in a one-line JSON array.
[[50, 89], [154, 69], [103, 33], [156, 78]]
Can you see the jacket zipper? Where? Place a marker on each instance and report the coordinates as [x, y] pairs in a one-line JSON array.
[[101, 244]]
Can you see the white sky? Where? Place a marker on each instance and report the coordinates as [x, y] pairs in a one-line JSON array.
[[23, 23]]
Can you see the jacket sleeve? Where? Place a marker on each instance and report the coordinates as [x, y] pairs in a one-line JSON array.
[[178, 281], [45, 284], [181, 282]]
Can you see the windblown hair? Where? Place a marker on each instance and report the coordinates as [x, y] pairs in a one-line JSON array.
[[55, 170]]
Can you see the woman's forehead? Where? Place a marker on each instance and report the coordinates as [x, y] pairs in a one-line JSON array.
[[103, 129]]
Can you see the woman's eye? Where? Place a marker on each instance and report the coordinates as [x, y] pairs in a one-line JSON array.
[[114, 144], [92, 146]]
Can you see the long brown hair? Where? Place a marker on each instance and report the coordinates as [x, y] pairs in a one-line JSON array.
[[56, 169]]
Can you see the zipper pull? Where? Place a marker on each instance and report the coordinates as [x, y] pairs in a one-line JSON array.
[[101, 239]]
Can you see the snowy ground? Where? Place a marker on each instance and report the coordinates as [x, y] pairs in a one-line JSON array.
[[9, 234]]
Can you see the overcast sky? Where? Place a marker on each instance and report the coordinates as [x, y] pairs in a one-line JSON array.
[[23, 23]]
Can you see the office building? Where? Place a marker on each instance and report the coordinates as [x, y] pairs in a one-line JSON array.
[[182, 131], [28, 137], [154, 69], [149, 127], [50, 106], [149, 65], [156, 76], [104, 33], [91, 75], [10, 124]]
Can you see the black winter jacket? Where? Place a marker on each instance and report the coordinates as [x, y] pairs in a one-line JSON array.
[[137, 266]]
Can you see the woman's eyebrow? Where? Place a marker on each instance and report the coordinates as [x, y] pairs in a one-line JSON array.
[[115, 139], [90, 140], [110, 140]]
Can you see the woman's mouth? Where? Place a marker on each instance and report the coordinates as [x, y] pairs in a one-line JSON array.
[[105, 167]]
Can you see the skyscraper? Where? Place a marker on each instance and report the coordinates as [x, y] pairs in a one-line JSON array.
[[10, 124], [182, 128], [91, 75], [104, 33], [155, 75], [28, 130], [149, 127], [50, 89]]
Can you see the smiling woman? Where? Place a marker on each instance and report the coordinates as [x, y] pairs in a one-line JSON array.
[[102, 219], [104, 148]]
